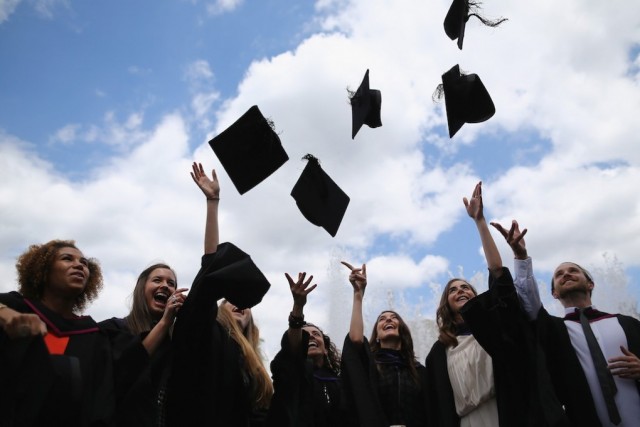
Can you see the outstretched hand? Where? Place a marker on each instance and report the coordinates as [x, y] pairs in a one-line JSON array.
[[627, 366], [300, 289], [514, 237], [358, 277], [210, 187], [474, 205]]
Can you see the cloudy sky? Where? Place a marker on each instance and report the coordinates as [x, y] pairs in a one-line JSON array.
[[105, 105]]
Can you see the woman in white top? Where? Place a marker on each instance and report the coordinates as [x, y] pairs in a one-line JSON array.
[[481, 372]]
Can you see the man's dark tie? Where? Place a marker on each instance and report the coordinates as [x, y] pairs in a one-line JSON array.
[[607, 384]]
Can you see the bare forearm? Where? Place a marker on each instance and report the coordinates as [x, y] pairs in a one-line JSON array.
[[156, 336], [356, 330], [211, 231], [491, 253]]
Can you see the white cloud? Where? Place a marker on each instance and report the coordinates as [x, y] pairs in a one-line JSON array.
[[46, 8], [222, 6], [7, 7], [561, 73]]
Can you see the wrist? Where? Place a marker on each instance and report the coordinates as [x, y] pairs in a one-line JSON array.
[[213, 199], [296, 322]]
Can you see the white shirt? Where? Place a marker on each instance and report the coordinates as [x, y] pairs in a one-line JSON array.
[[610, 336]]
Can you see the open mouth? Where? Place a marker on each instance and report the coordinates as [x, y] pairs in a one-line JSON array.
[[237, 310], [161, 297], [313, 344], [388, 327], [463, 298]]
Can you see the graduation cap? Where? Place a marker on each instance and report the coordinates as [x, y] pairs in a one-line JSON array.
[[236, 277], [319, 198], [466, 99], [459, 13], [365, 107], [456, 20], [249, 150]]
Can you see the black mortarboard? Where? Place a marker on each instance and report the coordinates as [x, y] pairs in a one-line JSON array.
[[456, 20], [365, 107], [235, 277], [459, 13], [320, 199], [249, 150], [466, 99]]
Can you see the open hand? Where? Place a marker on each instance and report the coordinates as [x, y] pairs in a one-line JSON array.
[[474, 205], [300, 289], [514, 237], [210, 187]]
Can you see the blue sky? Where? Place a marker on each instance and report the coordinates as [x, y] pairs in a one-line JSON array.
[[104, 105]]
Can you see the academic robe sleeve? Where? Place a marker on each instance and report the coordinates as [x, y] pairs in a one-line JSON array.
[[359, 380], [441, 407], [523, 386], [291, 385]]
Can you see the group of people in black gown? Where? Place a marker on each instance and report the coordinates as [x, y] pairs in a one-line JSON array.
[[194, 359]]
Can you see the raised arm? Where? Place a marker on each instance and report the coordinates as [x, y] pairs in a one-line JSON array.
[[524, 280], [299, 291], [358, 279], [211, 189], [475, 210]]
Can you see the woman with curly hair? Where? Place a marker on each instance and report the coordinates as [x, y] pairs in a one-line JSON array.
[[57, 366], [306, 371], [382, 376]]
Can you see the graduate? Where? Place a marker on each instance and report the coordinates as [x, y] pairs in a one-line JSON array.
[[306, 371], [57, 367]]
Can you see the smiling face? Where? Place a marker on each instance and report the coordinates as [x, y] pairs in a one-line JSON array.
[[459, 293], [159, 286], [243, 317], [388, 326], [317, 349], [68, 274], [569, 278]]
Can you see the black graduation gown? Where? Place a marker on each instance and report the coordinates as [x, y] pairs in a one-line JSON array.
[[361, 382], [523, 390], [566, 372], [303, 395], [207, 385], [78, 388], [143, 405]]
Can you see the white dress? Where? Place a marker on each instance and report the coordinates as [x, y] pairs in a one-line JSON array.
[[471, 375]]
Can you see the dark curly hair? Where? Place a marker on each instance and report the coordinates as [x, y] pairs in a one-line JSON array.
[[446, 319], [34, 268], [332, 358]]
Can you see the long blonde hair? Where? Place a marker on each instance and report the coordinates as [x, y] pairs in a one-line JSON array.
[[249, 342]]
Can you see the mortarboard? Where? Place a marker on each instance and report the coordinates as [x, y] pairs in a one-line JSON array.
[[466, 99], [459, 13], [235, 277], [365, 107], [249, 150], [319, 198], [456, 20]]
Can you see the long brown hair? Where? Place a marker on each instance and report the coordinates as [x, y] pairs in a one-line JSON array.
[[406, 343], [249, 342], [446, 318], [34, 267], [140, 318]]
